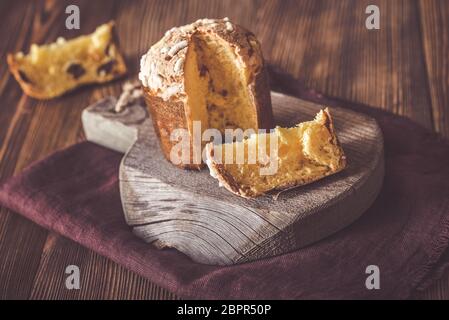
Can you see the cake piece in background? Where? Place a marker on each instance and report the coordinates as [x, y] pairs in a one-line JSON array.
[[51, 70]]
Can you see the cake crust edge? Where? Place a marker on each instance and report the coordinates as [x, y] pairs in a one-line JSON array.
[[32, 91], [219, 172]]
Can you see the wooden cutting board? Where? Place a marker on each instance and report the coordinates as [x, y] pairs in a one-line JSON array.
[[187, 210]]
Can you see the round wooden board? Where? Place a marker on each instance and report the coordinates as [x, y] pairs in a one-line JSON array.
[[187, 210]]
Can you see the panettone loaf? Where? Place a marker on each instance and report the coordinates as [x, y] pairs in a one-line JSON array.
[[210, 71], [303, 154]]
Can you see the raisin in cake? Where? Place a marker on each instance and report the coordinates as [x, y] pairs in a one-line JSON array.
[[51, 70]]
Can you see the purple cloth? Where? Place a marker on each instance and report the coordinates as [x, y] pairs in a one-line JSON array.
[[406, 231]]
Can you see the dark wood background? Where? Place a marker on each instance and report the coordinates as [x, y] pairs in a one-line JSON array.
[[403, 68]]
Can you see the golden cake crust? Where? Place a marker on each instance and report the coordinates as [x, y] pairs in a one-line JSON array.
[[219, 172], [162, 76], [51, 70], [166, 117]]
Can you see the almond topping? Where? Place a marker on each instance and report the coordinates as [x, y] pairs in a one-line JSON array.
[[178, 65], [176, 48]]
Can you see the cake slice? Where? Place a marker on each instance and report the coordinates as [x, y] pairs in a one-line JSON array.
[[51, 70], [302, 154]]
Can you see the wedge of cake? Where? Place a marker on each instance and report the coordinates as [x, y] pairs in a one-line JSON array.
[[303, 154], [51, 70]]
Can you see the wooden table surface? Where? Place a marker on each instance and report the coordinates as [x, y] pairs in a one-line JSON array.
[[403, 68]]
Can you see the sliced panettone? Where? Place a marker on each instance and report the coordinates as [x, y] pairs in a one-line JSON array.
[[51, 70], [211, 71], [303, 154]]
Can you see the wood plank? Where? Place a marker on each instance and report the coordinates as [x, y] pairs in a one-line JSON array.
[[435, 34], [325, 45], [99, 278], [21, 244], [21, 241], [117, 131]]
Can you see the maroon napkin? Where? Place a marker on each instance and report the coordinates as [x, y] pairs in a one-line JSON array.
[[405, 233]]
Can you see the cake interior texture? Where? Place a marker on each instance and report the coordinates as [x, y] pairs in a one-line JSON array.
[[304, 153], [50, 70], [216, 83]]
